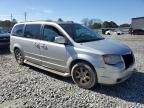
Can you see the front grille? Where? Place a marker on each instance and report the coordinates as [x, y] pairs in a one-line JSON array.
[[128, 59], [4, 39]]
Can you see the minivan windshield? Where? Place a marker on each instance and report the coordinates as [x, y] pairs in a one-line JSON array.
[[80, 33]]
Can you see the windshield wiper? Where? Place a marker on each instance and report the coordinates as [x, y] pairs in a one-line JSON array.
[[88, 40]]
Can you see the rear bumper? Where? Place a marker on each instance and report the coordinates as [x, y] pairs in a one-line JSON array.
[[112, 76]]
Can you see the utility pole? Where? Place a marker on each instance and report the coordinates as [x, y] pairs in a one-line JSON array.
[[11, 16], [25, 15]]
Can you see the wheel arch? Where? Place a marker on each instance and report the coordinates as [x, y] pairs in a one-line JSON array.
[[18, 47], [93, 60], [80, 60]]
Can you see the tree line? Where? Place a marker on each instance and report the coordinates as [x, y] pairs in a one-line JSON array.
[[97, 24], [92, 23], [8, 23]]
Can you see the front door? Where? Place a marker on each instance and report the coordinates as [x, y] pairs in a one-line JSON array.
[[53, 54]]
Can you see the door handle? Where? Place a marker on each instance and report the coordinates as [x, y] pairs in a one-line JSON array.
[[37, 45], [44, 47]]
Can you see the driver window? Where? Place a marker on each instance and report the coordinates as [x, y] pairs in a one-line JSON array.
[[50, 33]]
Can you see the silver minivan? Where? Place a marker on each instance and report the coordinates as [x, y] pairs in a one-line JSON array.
[[71, 49]]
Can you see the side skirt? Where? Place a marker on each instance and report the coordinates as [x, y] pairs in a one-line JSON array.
[[47, 69]]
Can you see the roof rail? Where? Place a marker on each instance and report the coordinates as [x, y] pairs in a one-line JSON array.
[[49, 21], [38, 21]]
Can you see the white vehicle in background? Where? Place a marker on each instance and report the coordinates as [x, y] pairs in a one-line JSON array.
[[114, 32]]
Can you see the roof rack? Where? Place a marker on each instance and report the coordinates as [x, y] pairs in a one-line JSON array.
[[38, 21]]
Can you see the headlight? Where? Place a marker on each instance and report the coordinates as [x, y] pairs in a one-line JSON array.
[[112, 59]]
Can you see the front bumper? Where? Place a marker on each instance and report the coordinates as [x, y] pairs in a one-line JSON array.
[[113, 76]]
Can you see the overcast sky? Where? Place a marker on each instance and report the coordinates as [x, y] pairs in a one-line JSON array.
[[120, 11]]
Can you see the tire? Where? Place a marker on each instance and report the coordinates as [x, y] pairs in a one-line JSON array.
[[84, 75], [108, 33], [118, 34], [19, 56]]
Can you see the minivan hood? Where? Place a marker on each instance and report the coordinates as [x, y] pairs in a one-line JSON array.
[[108, 46]]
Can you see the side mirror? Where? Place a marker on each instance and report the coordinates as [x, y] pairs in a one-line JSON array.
[[60, 40]]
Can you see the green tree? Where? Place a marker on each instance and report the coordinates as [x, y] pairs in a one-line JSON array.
[[96, 26], [110, 24], [60, 20], [106, 24], [113, 24], [8, 23], [93, 21], [125, 25]]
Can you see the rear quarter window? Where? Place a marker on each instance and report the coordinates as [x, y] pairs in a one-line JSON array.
[[18, 30]]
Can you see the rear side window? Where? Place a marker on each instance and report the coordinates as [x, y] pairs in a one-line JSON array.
[[18, 30], [32, 31]]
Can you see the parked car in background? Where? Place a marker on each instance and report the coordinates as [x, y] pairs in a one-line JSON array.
[[71, 49], [4, 39], [104, 30], [113, 32], [138, 32]]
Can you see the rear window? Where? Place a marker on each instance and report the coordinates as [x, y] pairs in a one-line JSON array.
[[32, 31], [18, 30]]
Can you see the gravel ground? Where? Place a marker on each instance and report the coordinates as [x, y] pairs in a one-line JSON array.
[[29, 87]]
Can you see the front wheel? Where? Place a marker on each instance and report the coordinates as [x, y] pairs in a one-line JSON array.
[[19, 56], [84, 75]]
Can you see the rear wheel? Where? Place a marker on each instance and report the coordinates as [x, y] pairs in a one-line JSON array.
[[19, 56], [84, 75]]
